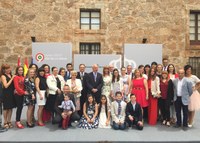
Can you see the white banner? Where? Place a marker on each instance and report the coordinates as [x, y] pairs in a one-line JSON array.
[[53, 54], [137, 54]]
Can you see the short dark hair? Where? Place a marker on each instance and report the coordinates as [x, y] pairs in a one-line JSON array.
[[164, 59], [154, 63], [186, 67], [53, 68], [69, 64], [132, 95], [140, 66], [118, 92]]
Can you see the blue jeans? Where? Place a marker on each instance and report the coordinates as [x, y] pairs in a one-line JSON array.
[[119, 127]]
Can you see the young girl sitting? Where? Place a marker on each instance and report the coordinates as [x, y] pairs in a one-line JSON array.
[[104, 113], [68, 106], [89, 119]]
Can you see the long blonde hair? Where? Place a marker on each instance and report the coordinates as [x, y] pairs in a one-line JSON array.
[[28, 74]]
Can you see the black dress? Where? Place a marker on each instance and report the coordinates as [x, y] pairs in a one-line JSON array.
[[8, 95]]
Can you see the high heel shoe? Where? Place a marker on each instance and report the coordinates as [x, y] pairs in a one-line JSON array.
[[168, 124], [10, 125], [19, 125], [164, 122], [29, 125], [40, 124], [6, 126]]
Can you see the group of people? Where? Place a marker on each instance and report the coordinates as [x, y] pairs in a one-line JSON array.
[[117, 98]]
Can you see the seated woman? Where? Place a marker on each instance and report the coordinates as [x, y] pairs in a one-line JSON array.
[[118, 108], [134, 113], [89, 120]]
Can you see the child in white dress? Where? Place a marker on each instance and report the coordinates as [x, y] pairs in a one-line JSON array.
[[104, 113]]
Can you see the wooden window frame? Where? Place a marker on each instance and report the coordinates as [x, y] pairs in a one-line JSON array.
[[90, 17], [196, 41]]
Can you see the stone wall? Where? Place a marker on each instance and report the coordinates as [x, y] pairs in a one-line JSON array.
[[122, 21]]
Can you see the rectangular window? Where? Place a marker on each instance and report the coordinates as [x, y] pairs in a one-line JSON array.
[[89, 19], [195, 63], [195, 27], [90, 48]]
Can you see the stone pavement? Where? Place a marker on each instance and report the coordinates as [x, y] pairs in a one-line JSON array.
[[51, 133]]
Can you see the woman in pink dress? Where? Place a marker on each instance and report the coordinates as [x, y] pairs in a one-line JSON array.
[[194, 103], [140, 89]]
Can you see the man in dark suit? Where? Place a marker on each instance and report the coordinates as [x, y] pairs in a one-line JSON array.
[[82, 75], [94, 83], [69, 68], [134, 113]]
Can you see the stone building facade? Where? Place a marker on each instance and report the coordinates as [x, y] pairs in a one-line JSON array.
[[122, 21]]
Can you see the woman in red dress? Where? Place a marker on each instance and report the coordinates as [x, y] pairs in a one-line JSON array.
[[140, 89], [154, 94]]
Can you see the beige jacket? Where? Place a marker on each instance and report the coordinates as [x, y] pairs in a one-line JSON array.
[[78, 86], [155, 86], [114, 112]]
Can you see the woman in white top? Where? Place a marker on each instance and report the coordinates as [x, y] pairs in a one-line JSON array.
[[117, 84], [106, 89], [126, 83], [194, 103], [75, 88], [55, 84]]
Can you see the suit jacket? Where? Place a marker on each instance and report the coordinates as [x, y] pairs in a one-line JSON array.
[[67, 75], [83, 79], [137, 113], [186, 90], [114, 111], [90, 81]]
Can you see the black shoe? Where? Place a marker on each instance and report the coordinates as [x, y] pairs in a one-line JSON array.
[[3, 129], [29, 125], [74, 124], [185, 128], [176, 126]]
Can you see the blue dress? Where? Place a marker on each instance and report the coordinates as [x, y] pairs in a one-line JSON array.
[[83, 121]]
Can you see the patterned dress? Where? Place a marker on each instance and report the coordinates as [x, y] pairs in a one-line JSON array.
[[30, 88], [83, 121], [106, 87]]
